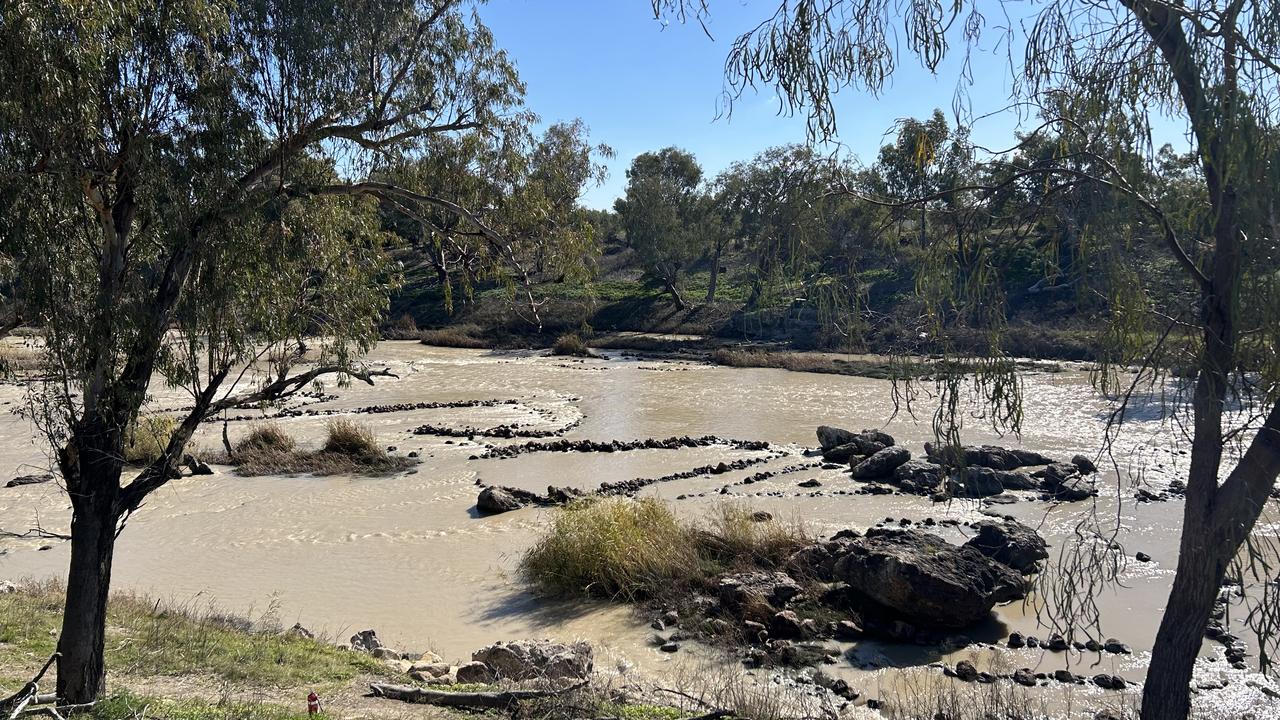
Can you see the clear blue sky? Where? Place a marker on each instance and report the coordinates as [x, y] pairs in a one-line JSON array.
[[640, 86]]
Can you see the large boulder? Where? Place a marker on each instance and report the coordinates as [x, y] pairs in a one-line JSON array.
[[988, 456], [865, 442], [1084, 464], [1063, 482], [475, 673], [1011, 543], [882, 463], [920, 477], [843, 453], [530, 659], [818, 561], [926, 580], [976, 482], [1030, 457], [494, 500], [830, 437]]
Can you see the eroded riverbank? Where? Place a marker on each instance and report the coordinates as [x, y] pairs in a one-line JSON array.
[[409, 555]]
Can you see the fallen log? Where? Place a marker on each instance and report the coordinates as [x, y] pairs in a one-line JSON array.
[[14, 705], [492, 700]]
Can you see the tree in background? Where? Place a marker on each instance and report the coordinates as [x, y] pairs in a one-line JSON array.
[[664, 215], [191, 189], [1099, 71], [525, 189]]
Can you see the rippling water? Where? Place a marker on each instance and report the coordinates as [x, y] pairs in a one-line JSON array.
[[407, 554]]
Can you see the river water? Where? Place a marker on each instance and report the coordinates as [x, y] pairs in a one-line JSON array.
[[408, 555]]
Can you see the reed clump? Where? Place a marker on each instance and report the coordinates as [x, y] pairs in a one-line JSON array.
[[638, 549]]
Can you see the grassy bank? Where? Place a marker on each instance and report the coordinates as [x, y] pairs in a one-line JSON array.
[[152, 643]]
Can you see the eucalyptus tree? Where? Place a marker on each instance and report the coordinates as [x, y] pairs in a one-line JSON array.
[[525, 189], [781, 198], [663, 214], [1108, 69], [192, 190]]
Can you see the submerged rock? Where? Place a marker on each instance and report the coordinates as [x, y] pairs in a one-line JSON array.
[[925, 579], [529, 659], [1011, 543]]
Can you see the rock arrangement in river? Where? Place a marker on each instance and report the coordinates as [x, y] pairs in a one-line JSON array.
[[902, 585], [971, 471], [612, 446]]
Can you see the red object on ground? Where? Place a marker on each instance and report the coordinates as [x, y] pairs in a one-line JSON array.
[[313, 703]]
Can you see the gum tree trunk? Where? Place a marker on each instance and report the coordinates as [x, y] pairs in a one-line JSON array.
[[81, 669], [91, 464]]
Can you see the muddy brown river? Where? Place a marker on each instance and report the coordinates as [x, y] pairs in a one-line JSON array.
[[409, 556]]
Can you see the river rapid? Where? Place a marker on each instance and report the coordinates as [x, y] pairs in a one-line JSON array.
[[409, 556]]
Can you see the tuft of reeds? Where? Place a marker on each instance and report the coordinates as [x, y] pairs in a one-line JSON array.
[[638, 549], [348, 437], [266, 436]]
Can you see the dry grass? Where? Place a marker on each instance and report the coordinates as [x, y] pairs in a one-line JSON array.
[[456, 336], [404, 328], [350, 448], [348, 437], [266, 436], [738, 536], [638, 549], [147, 438]]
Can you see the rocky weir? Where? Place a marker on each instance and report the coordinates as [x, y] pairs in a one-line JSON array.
[[344, 551]]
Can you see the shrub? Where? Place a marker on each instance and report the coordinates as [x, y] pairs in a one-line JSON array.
[[457, 336], [350, 438], [266, 437], [404, 328], [612, 547], [571, 344], [146, 439]]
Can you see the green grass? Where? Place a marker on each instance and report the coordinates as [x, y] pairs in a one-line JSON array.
[[625, 711], [147, 638], [127, 706], [637, 549]]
